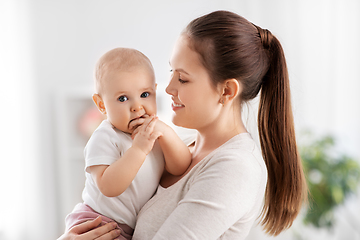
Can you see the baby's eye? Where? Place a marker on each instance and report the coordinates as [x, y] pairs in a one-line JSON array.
[[123, 98], [145, 94]]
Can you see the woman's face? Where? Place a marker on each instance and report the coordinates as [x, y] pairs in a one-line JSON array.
[[196, 102]]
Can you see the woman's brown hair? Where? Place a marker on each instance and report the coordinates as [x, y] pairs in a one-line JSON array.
[[232, 47]]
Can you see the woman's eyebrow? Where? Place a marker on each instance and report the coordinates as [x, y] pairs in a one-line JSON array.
[[179, 69]]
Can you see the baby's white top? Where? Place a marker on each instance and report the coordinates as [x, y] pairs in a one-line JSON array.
[[106, 145]]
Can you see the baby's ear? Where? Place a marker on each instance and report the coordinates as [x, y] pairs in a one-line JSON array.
[[99, 103], [155, 86]]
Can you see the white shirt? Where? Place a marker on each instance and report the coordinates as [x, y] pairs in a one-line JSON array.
[[220, 197], [106, 145]]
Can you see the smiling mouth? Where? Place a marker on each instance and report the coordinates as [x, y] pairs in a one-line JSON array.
[[177, 105]]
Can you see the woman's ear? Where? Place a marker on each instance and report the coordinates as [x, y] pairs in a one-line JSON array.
[[99, 103], [231, 88]]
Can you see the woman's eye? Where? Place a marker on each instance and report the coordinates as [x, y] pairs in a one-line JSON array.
[[145, 94], [182, 81], [122, 98]]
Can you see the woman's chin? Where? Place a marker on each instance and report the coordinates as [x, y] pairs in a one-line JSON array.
[[176, 121], [180, 122]]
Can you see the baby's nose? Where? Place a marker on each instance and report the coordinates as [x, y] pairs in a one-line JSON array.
[[136, 107]]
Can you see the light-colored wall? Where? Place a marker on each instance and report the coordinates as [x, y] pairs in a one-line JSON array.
[[65, 39]]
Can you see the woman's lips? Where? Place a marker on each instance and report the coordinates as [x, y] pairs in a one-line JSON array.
[[176, 106]]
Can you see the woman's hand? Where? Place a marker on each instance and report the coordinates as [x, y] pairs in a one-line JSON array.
[[86, 231]]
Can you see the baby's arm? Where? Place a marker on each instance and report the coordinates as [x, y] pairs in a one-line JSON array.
[[176, 153], [114, 179]]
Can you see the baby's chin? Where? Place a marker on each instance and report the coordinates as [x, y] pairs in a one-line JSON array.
[[128, 131], [123, 129]]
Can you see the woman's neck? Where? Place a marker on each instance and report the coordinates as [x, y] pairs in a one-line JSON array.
[[215, 135]]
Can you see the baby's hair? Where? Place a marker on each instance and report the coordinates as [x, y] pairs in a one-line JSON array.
[[119, 59]]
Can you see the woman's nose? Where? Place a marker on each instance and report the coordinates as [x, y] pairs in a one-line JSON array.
[[170, 89]]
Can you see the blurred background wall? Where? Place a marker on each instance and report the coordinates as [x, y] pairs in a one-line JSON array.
[[47, 53]]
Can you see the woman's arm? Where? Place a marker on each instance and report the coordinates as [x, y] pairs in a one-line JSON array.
[[86, 231]]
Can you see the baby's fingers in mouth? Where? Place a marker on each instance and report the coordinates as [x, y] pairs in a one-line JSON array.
[[137, 122]]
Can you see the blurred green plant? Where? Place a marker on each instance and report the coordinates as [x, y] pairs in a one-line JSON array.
[[331, 177]]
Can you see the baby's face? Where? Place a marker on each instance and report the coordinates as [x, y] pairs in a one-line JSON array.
[[128, 96]]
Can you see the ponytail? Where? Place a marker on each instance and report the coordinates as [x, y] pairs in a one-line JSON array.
[[231, 47], [286, 186]]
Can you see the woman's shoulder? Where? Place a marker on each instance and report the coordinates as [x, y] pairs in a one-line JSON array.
[[238, 146], [242, 141], [235, 163], [241, 151]]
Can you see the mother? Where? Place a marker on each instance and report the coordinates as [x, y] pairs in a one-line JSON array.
[[220, 62]]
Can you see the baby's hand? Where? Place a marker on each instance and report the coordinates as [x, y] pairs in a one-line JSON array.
[[137, 122], [144, 136]]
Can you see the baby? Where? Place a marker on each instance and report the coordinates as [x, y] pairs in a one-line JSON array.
[[126, 155]]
